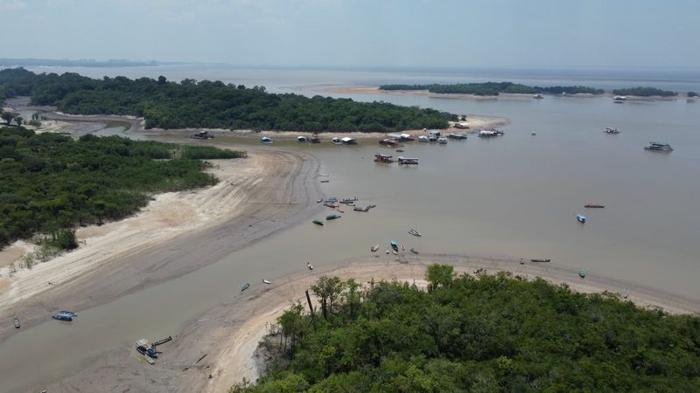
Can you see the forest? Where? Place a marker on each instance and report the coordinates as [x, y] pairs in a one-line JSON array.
[[50, 183], [207, 104], [494, 88], [477, 333], [644, 92]]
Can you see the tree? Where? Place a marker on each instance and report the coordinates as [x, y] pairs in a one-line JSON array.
[[19, 121], [439, 276], [328, 289], [7, 116]]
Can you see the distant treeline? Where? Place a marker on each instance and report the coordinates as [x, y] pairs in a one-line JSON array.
[[207, 104], [645, 92], [29, 62], [494, 89], [50, 183]]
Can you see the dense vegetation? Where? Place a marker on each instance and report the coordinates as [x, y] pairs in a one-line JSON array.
[[207, 104], [479, 334], [644, 92], [49, 183], [494, 89], [692, 94]]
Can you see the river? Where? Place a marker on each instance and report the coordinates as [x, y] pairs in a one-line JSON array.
[[516, 195]]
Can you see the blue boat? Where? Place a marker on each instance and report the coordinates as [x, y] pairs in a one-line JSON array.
[[66, 316], [394, 245], [581, 218]]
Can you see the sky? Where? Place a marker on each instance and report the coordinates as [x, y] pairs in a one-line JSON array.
[[360, 33]]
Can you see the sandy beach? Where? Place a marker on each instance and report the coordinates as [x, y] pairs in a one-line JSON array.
[[217, 349], [256, 197]]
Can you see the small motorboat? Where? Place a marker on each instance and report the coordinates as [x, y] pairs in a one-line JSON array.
[[318, 222], [540, 260], [336, 141], [414, 251], [593, 206], [407, 161], [266, 140], [533, 133], [581, 218], [319, 200], [538, 96], [442, 140], [63, 316], [661, 147], [414, 232], [348, 141], [309, 266], [333, 217], [611, 131], [146, 349], [389, 142], [457, 136], [374, 248], [423, 138], [315, 139], [302, 139], [582, 273], [17, 324], [268, 282], [394, 245], [245, 286]]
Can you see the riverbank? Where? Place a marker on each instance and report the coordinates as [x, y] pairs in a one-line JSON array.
[[217, 349], [255, 197]]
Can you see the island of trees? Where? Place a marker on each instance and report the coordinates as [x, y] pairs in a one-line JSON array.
[[206, 104], [494, 89], [484, 333], [50, 183], [644, 92]]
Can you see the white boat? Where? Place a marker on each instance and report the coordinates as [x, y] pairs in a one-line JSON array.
[[266, 139], [581, 218], [348, 141], [442, 140], [538, 96], [268, 282], [407, 161], [423, 138], [336, 141], [302, 139], [490, 133], [620, 98], [309, 266]]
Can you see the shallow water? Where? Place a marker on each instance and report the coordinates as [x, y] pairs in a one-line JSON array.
[[516, 195]]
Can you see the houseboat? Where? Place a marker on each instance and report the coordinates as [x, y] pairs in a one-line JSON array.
[[662, 147], [407, 161], [389, 142]]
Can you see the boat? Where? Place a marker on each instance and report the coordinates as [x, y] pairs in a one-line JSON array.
[[374, 248], [349, 201], [65, 316], [662, 147], [245, 286], [407, 161], [315, 139], [333, 217], [414, 232], [533, 133], [442, 140], [423, 138], [538, 96], [202, 135], [336, 141], [385, 158], [268, 282], [302, 139], [582, 273], [389, 142], [406, 138], [462, 125], [318, 222], [414, 251], [593, 206], [348, 141], [490, 133], [146, 349], [611, 131], [581, 218], [309, 266], [540, 260], [394, 245], [457, 136], [266, 140], [619, 99], [17, 324]]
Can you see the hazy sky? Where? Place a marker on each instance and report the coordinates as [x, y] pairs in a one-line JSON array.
[[432, 33]]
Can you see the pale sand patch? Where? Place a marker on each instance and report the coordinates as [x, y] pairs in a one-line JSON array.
[[13, 254], [167, 216]]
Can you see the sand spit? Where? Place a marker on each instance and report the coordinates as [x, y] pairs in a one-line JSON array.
[[256, 197], [229, 334]]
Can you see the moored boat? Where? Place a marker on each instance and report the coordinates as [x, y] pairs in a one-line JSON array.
[[423, 138], [540, 260], [581, 218], [442, 140], [309, 266], [245, 286], [17, 323], [414, 251], [611, 131], [414, 232], [457, 136], [348, 141], [318, 222], [490, 133], [394, 245], [407, 161], [268, 282], [389, 142], [593, 206], [582, 273], [266, 140], [65, 316], [302, 139], [374, 248], [333, 217], [662, 147]]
